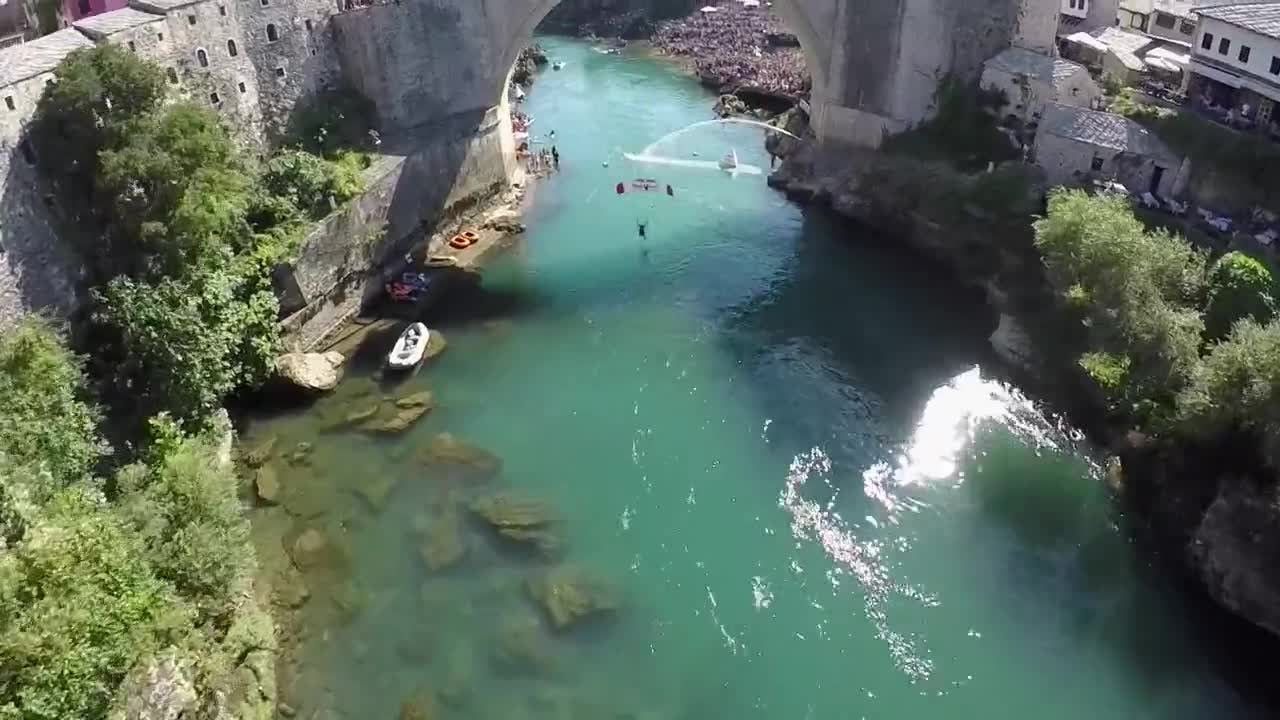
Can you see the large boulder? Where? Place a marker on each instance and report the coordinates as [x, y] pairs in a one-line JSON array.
[[261, 452], [310, 549], [570, 594], [1013, 345], [267, 484], [315, 372], [162, 689], [1236, 550], [520, 644]]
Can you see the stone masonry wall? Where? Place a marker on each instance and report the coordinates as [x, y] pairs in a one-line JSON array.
[[448, 168]]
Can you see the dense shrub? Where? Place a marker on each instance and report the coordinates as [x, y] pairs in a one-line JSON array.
[[1239, 287], [79, 606], [309, 181], [1237, 388], [179, 191], [185, 507], [189, 342], [1137, 289], [45, 418], [99, 93]]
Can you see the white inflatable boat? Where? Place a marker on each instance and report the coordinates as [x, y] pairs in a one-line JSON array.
[[409, 347]]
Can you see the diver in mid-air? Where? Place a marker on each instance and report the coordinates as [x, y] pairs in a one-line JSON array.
[[641, 225]]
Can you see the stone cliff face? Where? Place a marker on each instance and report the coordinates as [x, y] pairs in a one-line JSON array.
[[630, 19]]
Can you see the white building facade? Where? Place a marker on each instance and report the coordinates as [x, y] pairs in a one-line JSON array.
[[1235, 59]]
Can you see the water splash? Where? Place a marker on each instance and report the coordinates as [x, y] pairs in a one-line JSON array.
[[645, 157], [721, 121], [952, 417]]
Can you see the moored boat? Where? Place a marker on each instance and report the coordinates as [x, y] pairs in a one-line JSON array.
[[409, 347]]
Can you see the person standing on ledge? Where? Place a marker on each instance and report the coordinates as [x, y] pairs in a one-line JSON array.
[[555, 157]]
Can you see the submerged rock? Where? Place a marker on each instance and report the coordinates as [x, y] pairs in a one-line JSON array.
[[310, 549], [300, 455], [570, 594], [445, 545], [421, 706], [520, 644], [259, 454], [446, 450], [290, 589], [360, 414], [318, 372], [408, 411], [376, 489], [436, 344], [456, 688], [416, 400], [266, 482], [520, 519]]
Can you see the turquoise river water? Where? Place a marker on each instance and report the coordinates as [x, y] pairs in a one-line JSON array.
[[769, 434]]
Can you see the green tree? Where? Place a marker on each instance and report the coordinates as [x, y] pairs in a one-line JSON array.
[[100, 91], [185, 507], [1239, 287], [308, 181], [1137, 289], [46, 419], [1237, 388], [189, 342], [79, 606], [180, 191]]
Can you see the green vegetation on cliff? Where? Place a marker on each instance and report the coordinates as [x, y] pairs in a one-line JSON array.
[[1177, 345], [185, 232], [102, 577]]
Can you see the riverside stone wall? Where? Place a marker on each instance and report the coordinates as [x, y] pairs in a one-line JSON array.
[[448, 168]]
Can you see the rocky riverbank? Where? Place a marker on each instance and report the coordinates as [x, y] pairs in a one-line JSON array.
[[1205, 512]]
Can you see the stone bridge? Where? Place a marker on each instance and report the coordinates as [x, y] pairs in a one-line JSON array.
[[875, 63]]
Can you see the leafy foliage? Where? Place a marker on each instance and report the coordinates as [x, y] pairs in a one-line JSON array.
[[332, 121], [79, 605], [1138, 290], [99, 93], [308, 182], [1237, 388], [45, 419], [92, 586], [1239, 287], [186, 509], [189, 342], [179, 190]]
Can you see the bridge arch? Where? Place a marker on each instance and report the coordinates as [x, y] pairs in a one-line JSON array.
[[796, 14]]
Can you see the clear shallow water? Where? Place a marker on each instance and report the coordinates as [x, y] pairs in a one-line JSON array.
[[775, 439]]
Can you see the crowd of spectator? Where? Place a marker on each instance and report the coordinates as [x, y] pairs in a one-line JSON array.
[[738, 45]]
